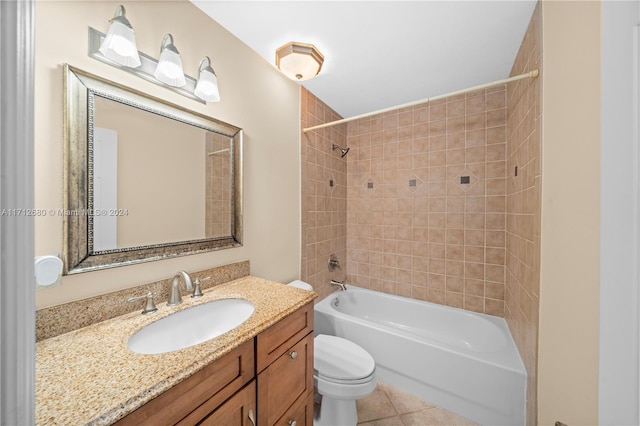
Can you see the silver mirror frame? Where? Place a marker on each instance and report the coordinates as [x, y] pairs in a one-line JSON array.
[[80, 88]]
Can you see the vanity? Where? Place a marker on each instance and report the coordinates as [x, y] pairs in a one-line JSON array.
[[260, 373], [116, 214]]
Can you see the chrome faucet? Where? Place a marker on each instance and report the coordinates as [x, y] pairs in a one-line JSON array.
[[175, 298], [341, 284]]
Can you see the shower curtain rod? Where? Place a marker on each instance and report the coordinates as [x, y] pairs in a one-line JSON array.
[[530, 74]]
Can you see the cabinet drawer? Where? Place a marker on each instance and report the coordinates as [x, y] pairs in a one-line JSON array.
[[239, 410], [277, 339], [286, 380], [300, 413], [195, 397]]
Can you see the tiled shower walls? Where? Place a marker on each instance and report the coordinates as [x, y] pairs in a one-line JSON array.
[[523, 206], [426, 201], [324, 203], [404, 222]]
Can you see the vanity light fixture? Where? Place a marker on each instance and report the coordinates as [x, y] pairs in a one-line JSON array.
[[169, 69], [299, 61], [120, 43], [166, 71], [207, 85]]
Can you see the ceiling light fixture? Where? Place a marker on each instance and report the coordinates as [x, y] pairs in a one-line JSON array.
[[169, 69], [120, 43], [299, 61], [207, 86]]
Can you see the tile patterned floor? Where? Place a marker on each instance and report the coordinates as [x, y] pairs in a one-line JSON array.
[[390, 406]]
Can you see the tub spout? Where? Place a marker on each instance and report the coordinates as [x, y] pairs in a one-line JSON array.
[[340, 284]]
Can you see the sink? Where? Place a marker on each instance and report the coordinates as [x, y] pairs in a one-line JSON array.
[[191, 326]]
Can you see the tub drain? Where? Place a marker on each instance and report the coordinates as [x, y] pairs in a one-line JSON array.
[[336, 302]]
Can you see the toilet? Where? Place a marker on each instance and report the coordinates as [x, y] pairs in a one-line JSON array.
[[342, 373]]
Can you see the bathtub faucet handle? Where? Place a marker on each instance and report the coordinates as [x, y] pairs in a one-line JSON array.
[[340, 284], [334, 263]]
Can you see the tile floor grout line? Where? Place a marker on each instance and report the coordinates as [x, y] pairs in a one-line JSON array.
[[412, 417]]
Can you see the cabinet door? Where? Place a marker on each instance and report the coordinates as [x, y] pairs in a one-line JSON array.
[[239, 410], [300, 413], [287, 379], [193, 398], [277, 339]]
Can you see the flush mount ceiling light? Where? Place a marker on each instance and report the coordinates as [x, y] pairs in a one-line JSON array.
[[207, 86], [169, 69], [299, 61], [120, 43]]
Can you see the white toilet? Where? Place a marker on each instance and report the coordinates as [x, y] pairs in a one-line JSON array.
[[342, 373]]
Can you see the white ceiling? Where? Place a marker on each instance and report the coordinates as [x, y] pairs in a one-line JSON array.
[[379, 54]]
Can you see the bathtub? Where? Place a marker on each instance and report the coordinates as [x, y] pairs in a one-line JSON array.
[[459, 360]]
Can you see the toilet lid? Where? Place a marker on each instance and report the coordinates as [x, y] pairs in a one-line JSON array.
[[340, 359]]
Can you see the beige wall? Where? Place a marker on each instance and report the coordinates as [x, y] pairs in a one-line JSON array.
[[568, 335], [255, 97], [522, 298]]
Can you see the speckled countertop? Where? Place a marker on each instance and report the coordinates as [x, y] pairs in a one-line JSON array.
[[89, 376]]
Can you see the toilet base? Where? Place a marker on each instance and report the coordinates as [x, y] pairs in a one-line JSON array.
[[336, 412]]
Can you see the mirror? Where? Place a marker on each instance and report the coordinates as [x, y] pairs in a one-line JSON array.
[[144, 179]]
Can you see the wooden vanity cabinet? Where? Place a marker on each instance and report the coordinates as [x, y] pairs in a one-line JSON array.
[[239, 410], [284, 359], [266, 381], [193, 399]]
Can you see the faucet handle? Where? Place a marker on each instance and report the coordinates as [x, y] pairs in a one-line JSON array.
[[149, 307], [334, 263], [196, 287]]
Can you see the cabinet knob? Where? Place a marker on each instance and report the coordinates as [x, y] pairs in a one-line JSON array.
[[293, 355], [292, 423]]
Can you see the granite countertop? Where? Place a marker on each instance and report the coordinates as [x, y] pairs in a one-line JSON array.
[[89, 376]]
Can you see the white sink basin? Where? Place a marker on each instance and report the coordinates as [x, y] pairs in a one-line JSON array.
[[191, 326]]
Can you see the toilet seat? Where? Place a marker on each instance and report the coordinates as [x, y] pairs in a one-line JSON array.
[[346, 381], [341, 361]]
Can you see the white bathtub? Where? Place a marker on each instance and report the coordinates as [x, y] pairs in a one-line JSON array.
[[462, 361]]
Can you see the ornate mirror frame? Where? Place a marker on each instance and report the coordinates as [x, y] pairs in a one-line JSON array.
[[79, 255]]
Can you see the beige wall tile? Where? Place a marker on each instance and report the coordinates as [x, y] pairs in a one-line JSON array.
[[426, 241], [325, 207], [474, 247], [522, 210]]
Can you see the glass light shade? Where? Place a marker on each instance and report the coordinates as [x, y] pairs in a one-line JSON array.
[[299, 61], [169, 69], [207, 86], [120, 43]]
